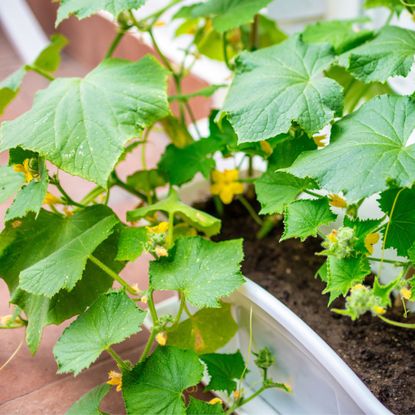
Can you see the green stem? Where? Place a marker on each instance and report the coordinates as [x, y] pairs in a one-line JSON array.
[[157, 14], [68, 199], [397, 323], [118, 182], [170, 231], [389, 19], [225, 52], [255, 33], [117, 358], [180, 312], [148, 345], [112, 274], [120, 34], [152, 307], [92, 195], [39, 71], [192, 118], [250, 210], [311, 193], [388, 261]]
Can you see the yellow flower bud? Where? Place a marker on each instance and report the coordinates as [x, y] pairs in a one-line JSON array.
[[370, 240], [378, 309], [162, 227], [214, 401], [319, 140], [266, 147], [332, 236], [236, 394], [337, 201], [406, 293], [115, 379], [357, 287], [161, 251], [25, 169], [161, 338], [51, 199], [144, 299]]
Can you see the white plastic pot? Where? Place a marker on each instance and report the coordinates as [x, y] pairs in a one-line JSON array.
[[322, 383]]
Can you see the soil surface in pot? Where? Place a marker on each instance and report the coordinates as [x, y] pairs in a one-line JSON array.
[[381, 355]]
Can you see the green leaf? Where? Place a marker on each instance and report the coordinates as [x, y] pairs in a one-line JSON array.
[[81, 125], [276, 86], [224, 370], [302, 218], [229, 14], [383, 292], [156, 386], [275, 190], [362, 228], [401, 228], [368, 148], [180, 165], [85, 8], [393, 5], [68, 251], [9, 88], [202, 270], [343, 273], [172, 205], [206, 331], [24, 243], [146, 180], [30, 198], [198, 407], [50, 57], [391, 53], [110, 320], [131, 243], [288, 148], [89, 403], [355, 91], [340, 34], [10, 182]]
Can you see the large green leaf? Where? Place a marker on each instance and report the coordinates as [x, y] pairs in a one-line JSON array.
[[276, 86], [69, 246], [229, 14], [401, 229], [389, 54], [81, 125], [131, 243], [303, 218], [85, 8], [206, 331], [343, 273], [277, 189], [10, 182], [89, 403], [395, 5], [341, 34], [204, 271], [156, 386], [367, 149], [224, 370], [26, 242], [172, 205], [110, 320], [9, 88]]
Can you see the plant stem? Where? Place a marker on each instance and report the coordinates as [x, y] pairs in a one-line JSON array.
[[68, 199], [255, 33], [397, 323], [148, 345], [152, 307], [39, 71], [192, 118], [180, 312], [311, 193], [170, 231], [112, 274], [250, 210], [225, 52], [118, 182], [92, 195], [388, 261], [117, 358], [120, 34]]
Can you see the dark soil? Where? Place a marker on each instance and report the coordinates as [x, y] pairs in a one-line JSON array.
[[381, 355]]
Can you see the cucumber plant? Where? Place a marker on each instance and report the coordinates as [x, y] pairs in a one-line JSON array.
[[314, 106]]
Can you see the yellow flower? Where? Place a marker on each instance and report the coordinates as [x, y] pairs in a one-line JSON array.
[[144, 299], [161, 338], [51, 199], [25, 169], [162, 227], [357, 287], [214, 401], [370, 240], [236, 395], [115, 379], [266, 147], [161, 251], [332, 236], [226, 185], [406, 293], [318, 140], [378, 309], [67, 211], [337, 201]]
